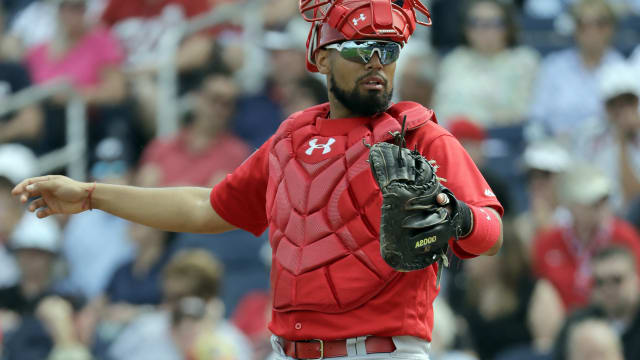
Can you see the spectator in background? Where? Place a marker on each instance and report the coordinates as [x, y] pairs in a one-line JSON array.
[[134, 288], [90, 58], [140, 25], [16, 161], [137, 282], [31, 26], [260, 114], [504, 305], [615, 298], [203, 152], [489, 78], [95, 243], [593, 340], [59, 319], [24, 125], [36, 244], [35, 22], [472, 137], [554, 8], [303, 93], [276, 14], [563, 254], [567, 92], [544, 163], [613, 143], [417, 72], [445, 330], [189, 324]]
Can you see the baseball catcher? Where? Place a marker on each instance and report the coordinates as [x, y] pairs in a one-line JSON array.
[[351, 240]]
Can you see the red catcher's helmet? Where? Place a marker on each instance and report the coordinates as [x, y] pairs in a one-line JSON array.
[[337, 20]]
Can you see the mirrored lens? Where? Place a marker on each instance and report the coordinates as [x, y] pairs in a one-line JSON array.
[[363, 51]]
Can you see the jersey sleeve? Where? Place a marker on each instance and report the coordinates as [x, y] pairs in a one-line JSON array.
[[240, 198], [460, 173], [461, 176]]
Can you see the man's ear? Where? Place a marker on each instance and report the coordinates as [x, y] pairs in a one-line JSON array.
[[322, 61]]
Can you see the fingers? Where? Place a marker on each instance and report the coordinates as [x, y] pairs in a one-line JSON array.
[[37, 204], [43, 213], [28, 187], [442, 199]]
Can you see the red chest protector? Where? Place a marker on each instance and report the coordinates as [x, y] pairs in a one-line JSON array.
[[323, 208]]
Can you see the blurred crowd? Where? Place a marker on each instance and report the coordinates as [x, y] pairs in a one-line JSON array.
[[544, 95]]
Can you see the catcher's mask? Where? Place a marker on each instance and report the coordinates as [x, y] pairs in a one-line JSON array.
[[338, 20]]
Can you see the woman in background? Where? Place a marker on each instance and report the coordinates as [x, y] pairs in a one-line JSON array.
[[489, 78]]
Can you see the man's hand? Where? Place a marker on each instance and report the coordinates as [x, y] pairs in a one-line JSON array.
[[54, 194], [57, 316]]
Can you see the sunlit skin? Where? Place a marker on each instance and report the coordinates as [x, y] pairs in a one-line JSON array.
[[71, 15], [587, 218], [623, 113], [593, 34], [617, 287], [349, 75]]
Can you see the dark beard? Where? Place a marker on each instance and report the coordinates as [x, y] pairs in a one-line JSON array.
[[368, 104]]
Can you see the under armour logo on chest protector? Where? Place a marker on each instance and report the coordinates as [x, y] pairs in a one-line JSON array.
[[357, 20], [326, 148]]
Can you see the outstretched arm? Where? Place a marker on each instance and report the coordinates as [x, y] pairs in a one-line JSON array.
[[181, 209]]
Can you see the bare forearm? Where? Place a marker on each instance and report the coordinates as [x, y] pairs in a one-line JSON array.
[[111, 90], [630, 183], [27, 124], [184, 209]]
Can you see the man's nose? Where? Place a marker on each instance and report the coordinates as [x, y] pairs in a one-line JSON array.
[[374, 62]]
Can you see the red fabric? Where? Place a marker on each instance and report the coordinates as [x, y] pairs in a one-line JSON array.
[[118, 10], [464, 129], [250, 316], [410, 313], [485, 232], [557, 258], [83, 64], [179, 166]]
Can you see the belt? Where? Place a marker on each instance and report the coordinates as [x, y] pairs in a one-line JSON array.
[[322, 349]]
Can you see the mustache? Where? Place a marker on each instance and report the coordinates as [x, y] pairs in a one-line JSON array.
[[370, 74]]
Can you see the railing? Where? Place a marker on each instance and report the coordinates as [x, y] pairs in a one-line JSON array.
[[73, 154], [168, 102]]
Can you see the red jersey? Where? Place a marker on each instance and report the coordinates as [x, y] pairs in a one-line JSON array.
[[178, 165], [404, 307], [559, 257]]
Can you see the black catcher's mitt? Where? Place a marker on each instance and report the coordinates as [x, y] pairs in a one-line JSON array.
[[414, 228]]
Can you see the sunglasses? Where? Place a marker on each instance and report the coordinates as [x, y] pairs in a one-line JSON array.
[[480, 23], [615, 280], [599, 22], [361, 51]]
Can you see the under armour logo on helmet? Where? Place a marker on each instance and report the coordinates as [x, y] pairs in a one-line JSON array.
[[313, 144], [356, 20]]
